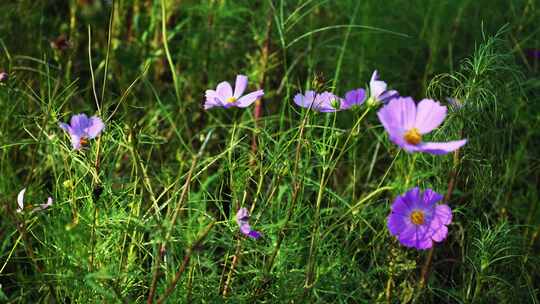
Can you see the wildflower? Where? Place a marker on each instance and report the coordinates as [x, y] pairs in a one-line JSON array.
[[406, 122], [82, 128], [3, 77], [378, 91], [322, 102], [242, 218], [20, 202], [354, 98], [223, 96], [416, 219]]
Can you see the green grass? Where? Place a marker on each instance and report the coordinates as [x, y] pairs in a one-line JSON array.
[[155, 195]]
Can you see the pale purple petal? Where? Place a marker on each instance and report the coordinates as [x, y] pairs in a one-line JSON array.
[[211, 99], [65, 127], [240, 85], [95, 127], [440, 234], [306, 100], [224, 91], [75, 141], [326, 102], [429, 115], [353, 98], [390, 117], [423, 238], [44, 206], [242, 215], [245, 228], [20, 200], [242, 218], [47, 204], [407, 108], [248, 99], [78, 123], [439, 148], [388, 95], [376, 86], [444, 213]]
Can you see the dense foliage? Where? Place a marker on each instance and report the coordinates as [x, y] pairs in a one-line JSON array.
[[145, 212]]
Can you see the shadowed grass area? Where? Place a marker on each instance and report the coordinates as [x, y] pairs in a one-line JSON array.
[[146, 212]]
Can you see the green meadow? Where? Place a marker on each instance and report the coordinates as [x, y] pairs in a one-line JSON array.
[[145, 211]]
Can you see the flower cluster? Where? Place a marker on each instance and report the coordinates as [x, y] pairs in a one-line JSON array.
[[416, 219]]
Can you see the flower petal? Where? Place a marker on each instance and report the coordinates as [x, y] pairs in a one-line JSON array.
[[20, 200], [401, 206], [65, 127], [353, 98], [240, 85], [254, 234], [439, 148], [95, 127], [440, 233], [388, 95], [47, 204], [224, 91], [413, 198], [78, 123], [325, 101], [211, 99], [429, 115], [423, 238], [242, 215], [248, 99], [430, 198], [245, 228], [306, 100], [444, 214], [396, 223], [390, 118], [75, 141], [376, 86]]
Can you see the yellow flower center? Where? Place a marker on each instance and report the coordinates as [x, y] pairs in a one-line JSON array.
[[417, 217], [413, 136], [231, 99]]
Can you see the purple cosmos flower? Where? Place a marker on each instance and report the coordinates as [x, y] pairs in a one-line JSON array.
[[20, 203], [82, 128], [322, 102], [378, 90], [406, 122], [353, 98], [417, 220], [224, 96], [242, 218]]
